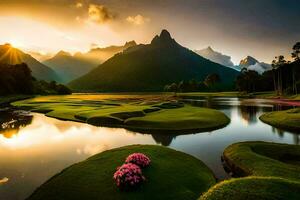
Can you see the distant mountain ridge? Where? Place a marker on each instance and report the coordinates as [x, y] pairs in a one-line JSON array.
[[215, 56], [150, 67], [13, 56], [251, 63], [71, 67]]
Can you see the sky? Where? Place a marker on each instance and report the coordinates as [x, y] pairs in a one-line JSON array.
[[238, 28]]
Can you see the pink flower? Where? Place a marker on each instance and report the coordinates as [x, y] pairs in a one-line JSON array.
[[139, 159], [128, 175]]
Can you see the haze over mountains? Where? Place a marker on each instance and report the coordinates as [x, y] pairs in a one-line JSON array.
[[150, 67], [215, 56], [13, 56], [249, 62], [70, 67]]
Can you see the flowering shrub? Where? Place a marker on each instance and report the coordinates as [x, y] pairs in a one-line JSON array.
[[139, 159], [128, 175]]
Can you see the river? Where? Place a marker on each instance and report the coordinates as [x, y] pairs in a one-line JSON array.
[[34, 147]]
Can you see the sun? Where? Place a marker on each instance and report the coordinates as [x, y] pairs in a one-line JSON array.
[[16, 43]]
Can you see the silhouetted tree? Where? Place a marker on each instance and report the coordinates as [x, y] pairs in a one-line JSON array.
[[278, 65], [296, 56], [212, 79]]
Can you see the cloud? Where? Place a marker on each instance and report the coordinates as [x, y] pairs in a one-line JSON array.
[[137, 20], [99, 14], [79, 5]]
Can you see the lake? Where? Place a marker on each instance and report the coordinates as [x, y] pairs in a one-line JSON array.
[[34, 147]]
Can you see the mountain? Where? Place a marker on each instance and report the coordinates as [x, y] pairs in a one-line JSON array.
[[150, 67], [100, 55], [251, 63], [216, 57], [13, 56], [71, 67]]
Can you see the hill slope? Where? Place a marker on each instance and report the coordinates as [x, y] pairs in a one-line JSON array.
[[150, 67], [13, 56], [70, 67]]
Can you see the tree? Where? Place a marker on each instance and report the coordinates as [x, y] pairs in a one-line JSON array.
[[173, 88], [212, 79], [278, 64], [296, 56]]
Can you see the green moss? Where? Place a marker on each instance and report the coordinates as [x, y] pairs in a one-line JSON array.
[[254, 188], [288, 120], [141, 113], [171, 175], [263, 159]]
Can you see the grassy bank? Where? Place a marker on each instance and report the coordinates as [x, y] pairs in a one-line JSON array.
[[287, 120], [171, 175], [6, 100], [254, 188], [264, 159], [272, 170], [141, 113]]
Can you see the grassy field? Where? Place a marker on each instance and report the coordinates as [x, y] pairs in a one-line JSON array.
[[254, 188], [144, 113], [272, 170], [287, 120], [171, 175]]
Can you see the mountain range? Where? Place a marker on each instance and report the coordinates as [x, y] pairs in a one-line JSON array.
[[13, 56], [70, 67], [249, 62], [150, 67]]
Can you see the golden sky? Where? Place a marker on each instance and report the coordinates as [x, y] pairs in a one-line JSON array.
[[233, 27]]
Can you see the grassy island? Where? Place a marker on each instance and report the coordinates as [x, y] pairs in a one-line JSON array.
[[264, 159], [254, 188], [273, 172], [171, 175], [140, 113], [287, 120]]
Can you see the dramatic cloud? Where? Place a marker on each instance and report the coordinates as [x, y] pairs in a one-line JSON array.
[[137, 20], [99, 14]]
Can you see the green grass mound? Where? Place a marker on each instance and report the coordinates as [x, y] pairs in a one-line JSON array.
[[254, 188], [138, 113], [287, 120], [171, 175], [264, 159]]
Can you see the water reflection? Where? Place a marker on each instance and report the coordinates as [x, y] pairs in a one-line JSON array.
[[11, 121], [37, 147]]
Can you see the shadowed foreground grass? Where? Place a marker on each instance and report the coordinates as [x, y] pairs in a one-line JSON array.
[[273, 172], [256, 188], [140, 113], [171, 175], [287, 120]]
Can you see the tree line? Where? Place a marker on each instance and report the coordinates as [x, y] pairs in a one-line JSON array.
[[211, 83], [284, 78], [17, 79]]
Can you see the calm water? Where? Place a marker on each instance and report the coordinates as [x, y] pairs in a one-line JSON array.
[[34, 147]]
